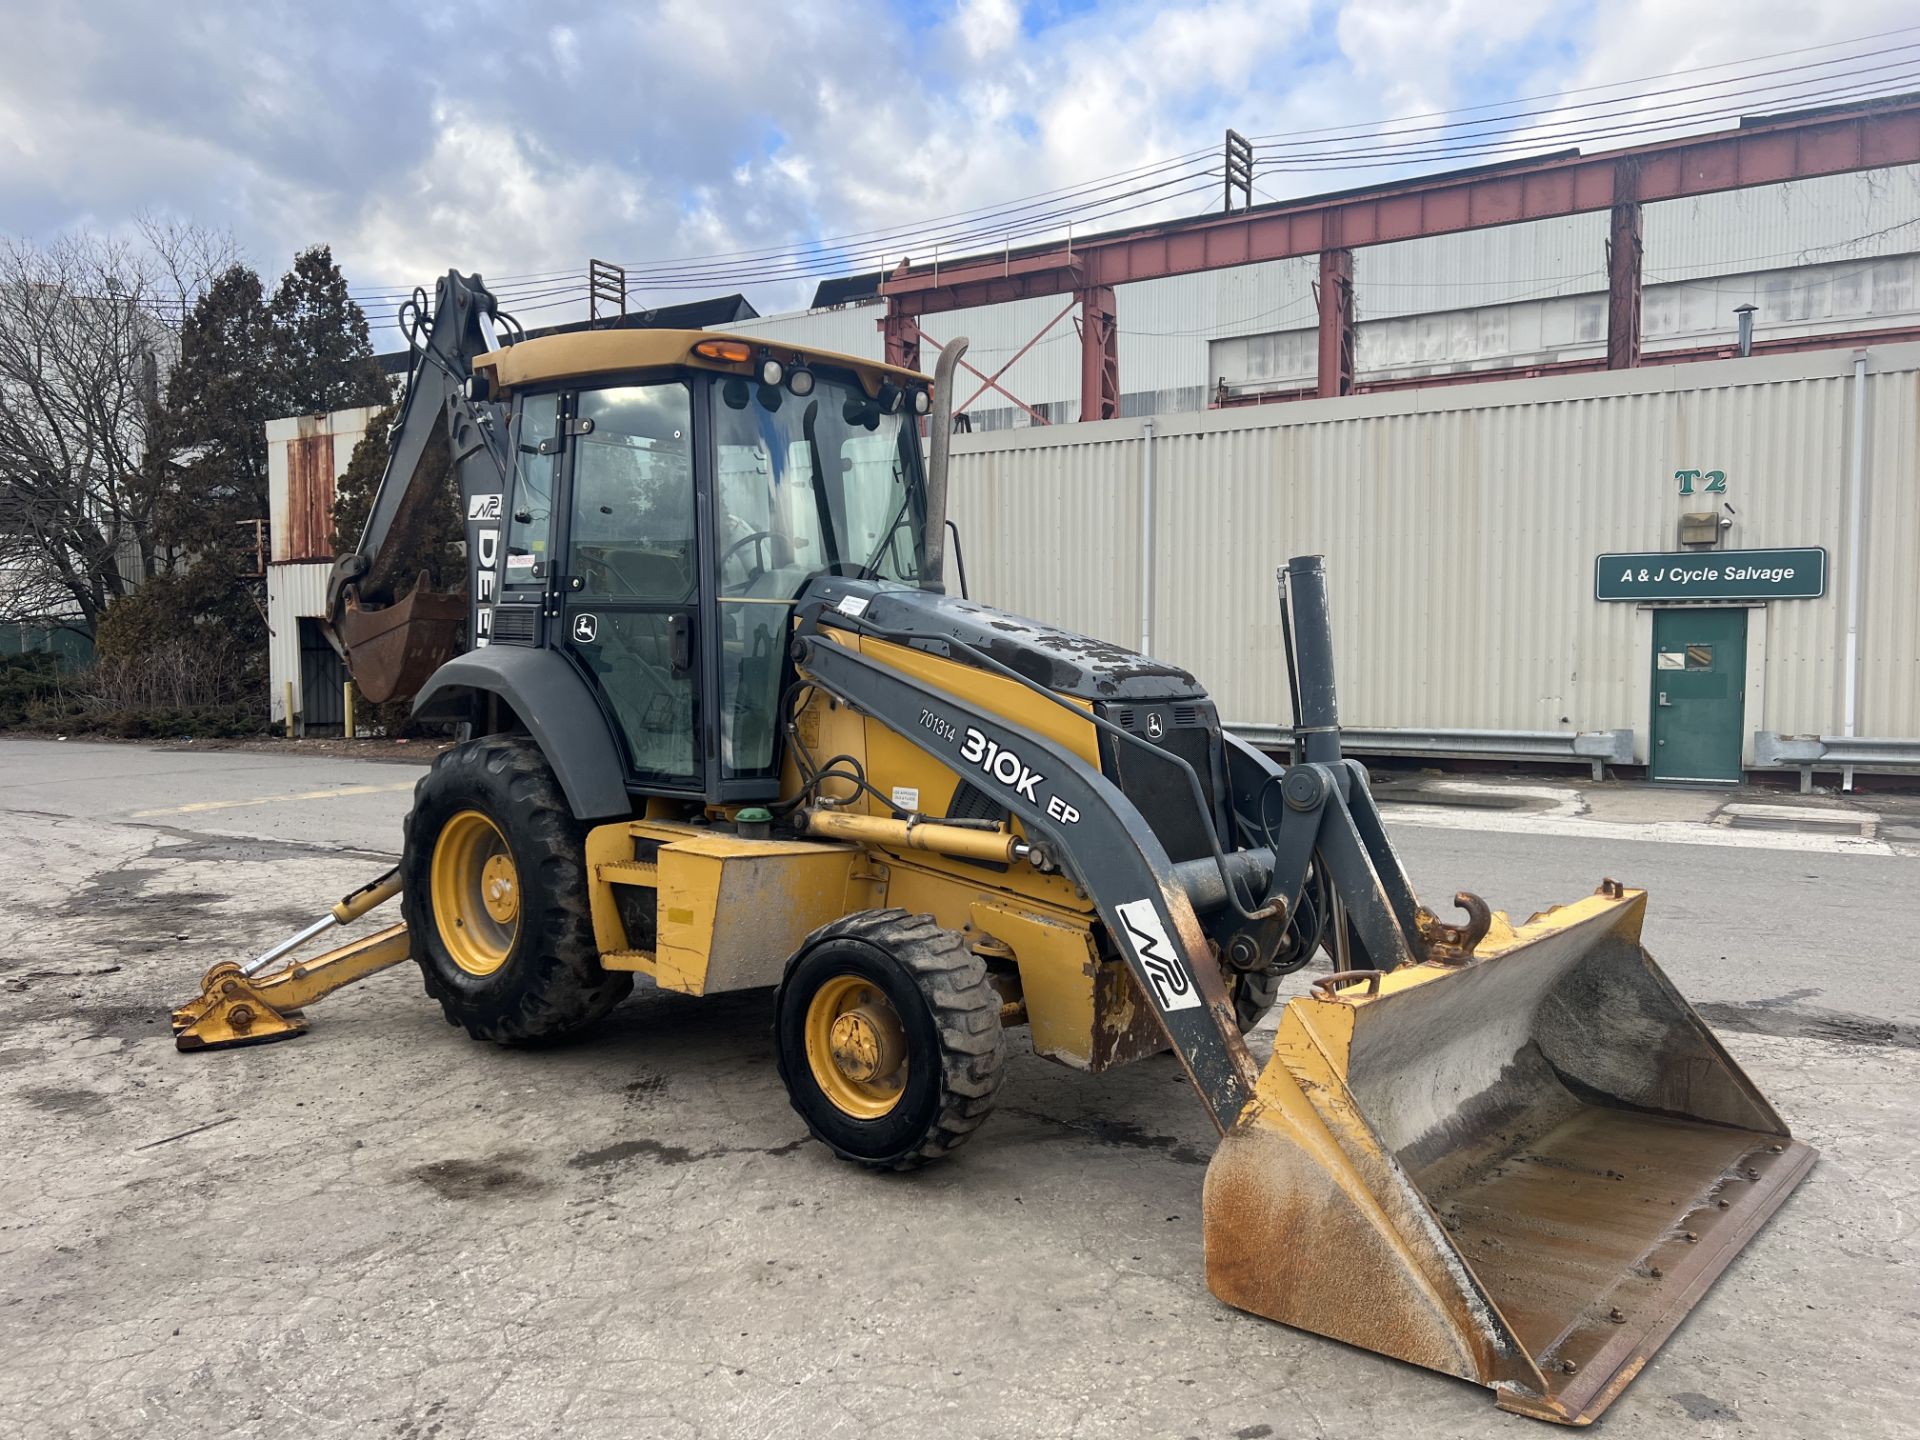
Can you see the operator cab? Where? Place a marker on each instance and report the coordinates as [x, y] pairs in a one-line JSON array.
[[670, 495]]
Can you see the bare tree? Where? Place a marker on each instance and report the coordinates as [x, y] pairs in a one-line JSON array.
[[85, 336], [187, 259]]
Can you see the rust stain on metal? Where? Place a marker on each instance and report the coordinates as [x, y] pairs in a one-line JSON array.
[[308, 533], [1125, 1028]]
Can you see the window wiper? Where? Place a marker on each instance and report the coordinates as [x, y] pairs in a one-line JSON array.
[[809, 427], [886, 536]]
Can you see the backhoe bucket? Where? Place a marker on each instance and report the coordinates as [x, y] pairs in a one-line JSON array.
[[392, 650], [1522, 1169]]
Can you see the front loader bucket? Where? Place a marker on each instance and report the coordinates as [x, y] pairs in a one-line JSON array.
[[1523, 1169], [392, 650]]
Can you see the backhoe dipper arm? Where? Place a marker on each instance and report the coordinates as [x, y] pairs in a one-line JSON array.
[[440, 386], [1095, 834]]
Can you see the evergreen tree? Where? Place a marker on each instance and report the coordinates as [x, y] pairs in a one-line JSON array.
[[206, 474], [322, 352]]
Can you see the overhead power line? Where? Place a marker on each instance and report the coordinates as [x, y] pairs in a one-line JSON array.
[[1647, 105]]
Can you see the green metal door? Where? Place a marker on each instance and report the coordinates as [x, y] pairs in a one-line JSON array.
[[1699, 684]]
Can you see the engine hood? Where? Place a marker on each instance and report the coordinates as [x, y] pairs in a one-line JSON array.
[[1066, 663]]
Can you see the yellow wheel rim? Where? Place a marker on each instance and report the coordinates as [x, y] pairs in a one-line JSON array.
[[476, 893], [856, 1047]]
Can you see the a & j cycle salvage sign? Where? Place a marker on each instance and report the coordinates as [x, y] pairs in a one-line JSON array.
[[1713, 575]]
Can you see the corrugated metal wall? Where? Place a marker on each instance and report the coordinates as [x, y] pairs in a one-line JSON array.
[[1890, 573], [1461, 529], [305, 455], [292, 591]]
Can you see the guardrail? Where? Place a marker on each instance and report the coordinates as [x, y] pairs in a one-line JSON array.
[[1597, 748], [1845, 753]]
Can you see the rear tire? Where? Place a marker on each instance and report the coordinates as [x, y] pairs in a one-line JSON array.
[[495, 897], [888, 1038]]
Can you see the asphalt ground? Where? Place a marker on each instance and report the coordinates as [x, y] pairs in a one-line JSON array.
[[384, 1228]]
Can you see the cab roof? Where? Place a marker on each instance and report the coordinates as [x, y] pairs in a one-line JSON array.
[[584, 353]]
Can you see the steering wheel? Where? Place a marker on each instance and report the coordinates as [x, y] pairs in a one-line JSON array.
[[758, 540]]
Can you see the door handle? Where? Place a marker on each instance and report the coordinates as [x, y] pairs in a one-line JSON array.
[[680, 642], [1664, 700]]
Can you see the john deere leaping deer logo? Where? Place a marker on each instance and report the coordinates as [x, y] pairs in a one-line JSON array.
[[586, 628]]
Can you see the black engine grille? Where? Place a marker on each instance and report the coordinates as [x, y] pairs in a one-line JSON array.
[[1157, 787]]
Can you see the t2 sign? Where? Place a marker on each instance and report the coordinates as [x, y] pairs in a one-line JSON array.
[[1714, 482]]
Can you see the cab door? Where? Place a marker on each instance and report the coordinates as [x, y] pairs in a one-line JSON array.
[[630, 599]]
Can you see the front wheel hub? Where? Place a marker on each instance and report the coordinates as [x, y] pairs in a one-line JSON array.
[[856, 1047], [866, 1044]]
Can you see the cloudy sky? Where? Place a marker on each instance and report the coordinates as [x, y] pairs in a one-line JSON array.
[[518, 139]]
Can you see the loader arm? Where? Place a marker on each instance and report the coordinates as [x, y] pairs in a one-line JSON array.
[[1093, 832], [392, 641]]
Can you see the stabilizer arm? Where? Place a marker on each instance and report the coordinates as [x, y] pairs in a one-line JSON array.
[[250, 1004]]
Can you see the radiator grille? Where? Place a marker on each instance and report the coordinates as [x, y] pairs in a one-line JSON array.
[[1157, 787]]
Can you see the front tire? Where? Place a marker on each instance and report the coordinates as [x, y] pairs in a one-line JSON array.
[[495, 897], [888, 1038]]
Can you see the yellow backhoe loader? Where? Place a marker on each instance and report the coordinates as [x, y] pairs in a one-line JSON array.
[[723, 726]]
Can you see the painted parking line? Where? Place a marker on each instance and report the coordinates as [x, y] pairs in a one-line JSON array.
[[201, 806]]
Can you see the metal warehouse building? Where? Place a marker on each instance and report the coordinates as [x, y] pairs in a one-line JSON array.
[[1595, 553], [1465, 530], [306, 454]]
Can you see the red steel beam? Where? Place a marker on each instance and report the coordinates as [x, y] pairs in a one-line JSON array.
[[1762, 152], [1623, 270], [902, 338], [1099, 355], [1336, 323]]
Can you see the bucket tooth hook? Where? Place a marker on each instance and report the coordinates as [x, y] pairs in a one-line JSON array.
[[1454, 944]]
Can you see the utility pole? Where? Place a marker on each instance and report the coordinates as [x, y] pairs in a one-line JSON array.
[[1237, 171]]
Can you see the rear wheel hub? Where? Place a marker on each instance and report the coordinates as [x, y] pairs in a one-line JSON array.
[[476, 892]]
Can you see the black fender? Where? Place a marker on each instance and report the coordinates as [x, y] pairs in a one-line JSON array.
[[559, 710]]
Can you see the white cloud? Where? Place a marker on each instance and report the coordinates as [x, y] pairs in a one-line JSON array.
[[987, 27], [413, 140]]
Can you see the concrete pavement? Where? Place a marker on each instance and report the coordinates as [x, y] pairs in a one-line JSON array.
[[384, 1228]]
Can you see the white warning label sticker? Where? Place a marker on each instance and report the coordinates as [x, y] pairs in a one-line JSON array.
[[1173, 987]]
